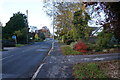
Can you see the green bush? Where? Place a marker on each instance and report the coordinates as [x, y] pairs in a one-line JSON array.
[[104, 40], [64, 38], [73, 44], [90, 46]]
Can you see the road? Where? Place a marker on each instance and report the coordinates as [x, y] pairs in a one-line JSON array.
[[24, 61]]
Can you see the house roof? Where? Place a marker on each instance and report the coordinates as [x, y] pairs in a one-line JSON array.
[[95, 29]]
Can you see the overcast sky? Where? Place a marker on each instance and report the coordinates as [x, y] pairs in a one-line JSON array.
[[36, 16]]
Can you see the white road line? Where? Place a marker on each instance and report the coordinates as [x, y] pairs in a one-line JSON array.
[[12, 55], [50, 51], [36, 73], [15, 54], [53, 45], [98, 58], [86, 59], [6, 57], [51, 48]]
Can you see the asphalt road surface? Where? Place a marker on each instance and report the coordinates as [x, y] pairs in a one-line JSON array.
[[22, 62]]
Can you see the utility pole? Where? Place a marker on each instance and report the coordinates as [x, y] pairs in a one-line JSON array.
[[27, 26]]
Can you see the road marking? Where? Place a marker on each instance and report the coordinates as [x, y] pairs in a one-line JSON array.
[[6, 57], [13, 55], [36, 73], [20, 52], [99, 59], [51, 48], [53, 45], [50, 51], [86, 59]]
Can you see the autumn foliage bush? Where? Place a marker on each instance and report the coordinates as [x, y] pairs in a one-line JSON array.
[[80, 46]]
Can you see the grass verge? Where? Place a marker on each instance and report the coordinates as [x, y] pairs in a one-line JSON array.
[[67, 50], [19, 45], [96, 70]]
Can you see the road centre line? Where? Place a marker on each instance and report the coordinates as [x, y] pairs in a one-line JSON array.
[[17, 54], [6, 57]]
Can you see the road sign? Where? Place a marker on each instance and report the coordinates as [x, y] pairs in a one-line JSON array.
[[13, 37]]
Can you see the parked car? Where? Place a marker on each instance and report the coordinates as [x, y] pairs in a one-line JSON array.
[[8, 43]]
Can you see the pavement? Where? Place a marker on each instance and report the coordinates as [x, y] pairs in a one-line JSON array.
[[55, 65], [59, 66]]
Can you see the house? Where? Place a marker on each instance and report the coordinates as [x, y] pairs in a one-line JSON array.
[[44, 30]]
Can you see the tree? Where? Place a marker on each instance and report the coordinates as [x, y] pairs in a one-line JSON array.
[[71, 20], [42, 36], [45, 31], [111, 22], [1, 26], [62, 14], [114, 18], [64, 20], [21, 35], [1, 29], [16, 25], [81, 19], [36, 37]]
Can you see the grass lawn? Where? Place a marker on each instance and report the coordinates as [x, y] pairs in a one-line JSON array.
[[106, 70], [67, 50]]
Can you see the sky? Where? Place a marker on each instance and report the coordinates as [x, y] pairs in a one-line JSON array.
[[36, 15]]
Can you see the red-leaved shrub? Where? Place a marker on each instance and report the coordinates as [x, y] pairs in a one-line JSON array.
[[81, 47]]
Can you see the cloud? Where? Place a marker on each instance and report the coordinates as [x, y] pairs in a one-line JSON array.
[[3, 15]]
